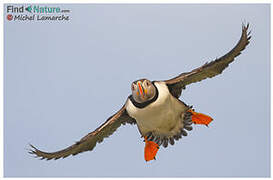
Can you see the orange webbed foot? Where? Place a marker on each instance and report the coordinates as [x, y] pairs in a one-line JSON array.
[[199, 118], [150, 150]]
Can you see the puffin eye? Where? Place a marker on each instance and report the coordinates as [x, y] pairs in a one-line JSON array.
[[147, 83], [132, 87]]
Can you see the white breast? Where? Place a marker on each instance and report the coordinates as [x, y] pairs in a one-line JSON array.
[[162, 117]]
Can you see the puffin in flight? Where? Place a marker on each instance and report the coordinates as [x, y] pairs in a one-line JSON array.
[[154, 107]]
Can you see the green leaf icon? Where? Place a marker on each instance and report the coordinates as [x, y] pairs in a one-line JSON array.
[[29, 9]]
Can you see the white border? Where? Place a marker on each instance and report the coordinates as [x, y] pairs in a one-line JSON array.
[[141, 1], [112, 1], [2, 92]]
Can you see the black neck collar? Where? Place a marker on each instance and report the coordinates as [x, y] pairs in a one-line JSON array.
[[146, 103]]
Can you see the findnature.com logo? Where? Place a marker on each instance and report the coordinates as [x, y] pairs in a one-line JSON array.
[[36, 12]]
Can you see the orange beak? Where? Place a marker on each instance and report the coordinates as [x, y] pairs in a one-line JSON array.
[[140, 89]]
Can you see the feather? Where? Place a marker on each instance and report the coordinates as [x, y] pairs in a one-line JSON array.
[[88, 142], [208, 70]]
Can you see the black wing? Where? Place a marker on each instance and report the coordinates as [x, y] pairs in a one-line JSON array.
[[88, 142], [208, 70]]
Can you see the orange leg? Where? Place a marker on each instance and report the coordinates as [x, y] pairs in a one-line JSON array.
[[150, 150], [199, 118]]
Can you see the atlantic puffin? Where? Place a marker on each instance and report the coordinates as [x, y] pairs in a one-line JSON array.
[[155, 108]]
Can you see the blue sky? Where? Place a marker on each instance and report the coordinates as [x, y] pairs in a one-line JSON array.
[[62, 79]]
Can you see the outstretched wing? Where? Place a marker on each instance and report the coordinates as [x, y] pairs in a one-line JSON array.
[[208, 70], [88, 142]]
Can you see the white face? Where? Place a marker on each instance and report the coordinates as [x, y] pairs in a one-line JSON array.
[[143, 90]]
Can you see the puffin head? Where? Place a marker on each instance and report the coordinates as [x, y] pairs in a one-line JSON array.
[[143, 90]]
